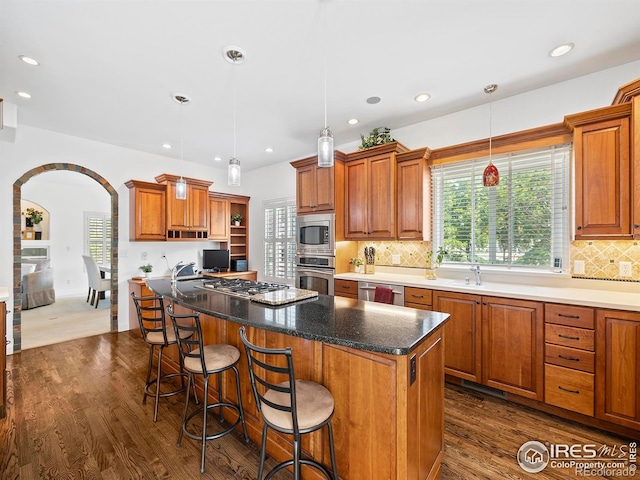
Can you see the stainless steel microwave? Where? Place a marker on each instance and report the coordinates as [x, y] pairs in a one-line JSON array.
[[316, 234]]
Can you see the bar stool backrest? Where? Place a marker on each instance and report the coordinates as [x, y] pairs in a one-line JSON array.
[[189, 336], [271, 369], [150, 316]]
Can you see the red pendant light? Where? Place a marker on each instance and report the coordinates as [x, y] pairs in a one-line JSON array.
[[490, 176]]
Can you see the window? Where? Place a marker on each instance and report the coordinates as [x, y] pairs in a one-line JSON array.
[[523, 222], [97, 227], [280, 239]]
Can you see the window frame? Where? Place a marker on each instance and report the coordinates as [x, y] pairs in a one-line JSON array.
[[287, 244], [105, 240]]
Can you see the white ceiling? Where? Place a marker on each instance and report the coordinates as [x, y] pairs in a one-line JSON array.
[[109, 69]]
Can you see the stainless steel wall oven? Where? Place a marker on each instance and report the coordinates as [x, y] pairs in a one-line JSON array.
[[315, 273]]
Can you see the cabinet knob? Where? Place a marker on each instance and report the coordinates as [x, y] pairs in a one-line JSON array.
[[579, 227], [635, 225]]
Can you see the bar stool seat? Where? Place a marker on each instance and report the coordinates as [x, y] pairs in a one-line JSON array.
[[205, 360], [151, 318], [314, 402]]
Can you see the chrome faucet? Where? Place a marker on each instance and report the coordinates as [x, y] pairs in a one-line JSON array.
[[476, 271], [177, 269]]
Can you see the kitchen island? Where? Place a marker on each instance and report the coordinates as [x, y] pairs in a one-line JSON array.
[[383, 364]]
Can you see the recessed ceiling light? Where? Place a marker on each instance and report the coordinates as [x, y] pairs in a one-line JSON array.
[[235, 55], [24, 94], [353, 121], [268, 150], [373, 100], [29, 60], [422, 97], [217, 159], [167, 146], [561, 50]]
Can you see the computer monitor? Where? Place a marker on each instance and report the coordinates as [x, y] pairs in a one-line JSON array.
[[215, 260]]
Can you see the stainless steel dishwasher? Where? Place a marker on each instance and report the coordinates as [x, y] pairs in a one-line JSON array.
[[367, 291]]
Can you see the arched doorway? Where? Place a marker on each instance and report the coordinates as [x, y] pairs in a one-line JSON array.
[[17, 243]]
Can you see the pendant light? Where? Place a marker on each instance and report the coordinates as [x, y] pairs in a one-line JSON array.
[[181, 183], [490, 176], [236, 56], [325, 138]]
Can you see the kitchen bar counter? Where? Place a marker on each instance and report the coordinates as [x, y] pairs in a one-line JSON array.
[[383, 364], [351, 323]]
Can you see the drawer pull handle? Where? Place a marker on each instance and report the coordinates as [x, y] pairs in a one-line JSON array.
[[417, 296], [567, 337], [569, 358], [569, 391], [568, 316]]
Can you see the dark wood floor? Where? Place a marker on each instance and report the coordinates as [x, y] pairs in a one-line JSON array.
[[75, 411]]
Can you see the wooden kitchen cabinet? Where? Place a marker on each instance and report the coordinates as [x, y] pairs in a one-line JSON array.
[[421, 298], [603, 173], [618, 367], [187, 219], [462, 333], [147, 211], [370, 193], [413, 195], [346, 288], [219, 218], [319, 189], [512, 346]]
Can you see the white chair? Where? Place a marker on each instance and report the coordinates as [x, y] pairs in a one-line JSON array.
[[97, 284]]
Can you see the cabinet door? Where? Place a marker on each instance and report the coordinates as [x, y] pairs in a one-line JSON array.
[[147, 212], [325, 189], [306, 189], [356, 199], [3, 360], [462, 334], [219, 219], [198, 205], [177, 211], [410, 199], [603, 185], [512, 346], [381, 213], [618, 367]]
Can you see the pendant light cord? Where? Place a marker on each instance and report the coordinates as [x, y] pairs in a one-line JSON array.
[[490, 123], [325, 64], [181, 134], [234, 113]]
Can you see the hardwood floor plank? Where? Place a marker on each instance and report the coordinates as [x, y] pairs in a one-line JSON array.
[[74, 410]]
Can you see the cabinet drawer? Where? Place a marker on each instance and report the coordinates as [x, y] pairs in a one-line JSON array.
[[582, 317], [569, 389], [346, 288], [420, 296], [569, 336], [570, 357]]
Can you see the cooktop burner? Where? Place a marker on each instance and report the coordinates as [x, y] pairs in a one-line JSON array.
[[242, 288]]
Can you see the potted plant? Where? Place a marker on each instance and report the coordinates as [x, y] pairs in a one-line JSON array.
[[146, 269], [357, 263], [377, 136], [33, 217], [236, 218], [430, 272]]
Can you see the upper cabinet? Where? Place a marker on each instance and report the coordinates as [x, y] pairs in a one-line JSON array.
[[219, 217], [413, 195], [187, 219], [603, 173], [233, 235], [147, 206], [370, 193], [319, 189]]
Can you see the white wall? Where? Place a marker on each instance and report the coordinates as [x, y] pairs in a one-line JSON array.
[[34, 147]]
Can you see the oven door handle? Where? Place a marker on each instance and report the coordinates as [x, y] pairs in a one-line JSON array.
[[315, 270]]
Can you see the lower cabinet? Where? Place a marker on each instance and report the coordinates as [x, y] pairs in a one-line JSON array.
[[346, 288], [618, 367], [3, 360], [494, 341]]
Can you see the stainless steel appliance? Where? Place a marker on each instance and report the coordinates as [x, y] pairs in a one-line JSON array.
[[367, 290], [240, 287], [316, 234], [315, 273]]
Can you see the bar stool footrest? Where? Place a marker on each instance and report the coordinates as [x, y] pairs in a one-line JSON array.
[[152, 393], [198, 411], [303, 461]]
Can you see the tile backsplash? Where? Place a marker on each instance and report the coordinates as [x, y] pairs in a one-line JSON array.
[[601, 257]]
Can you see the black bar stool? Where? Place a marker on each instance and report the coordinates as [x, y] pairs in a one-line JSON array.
[[154, 331], [205, 360], [291, 406]]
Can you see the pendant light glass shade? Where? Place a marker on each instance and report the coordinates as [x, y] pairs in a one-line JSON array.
[[490, 176], [181, 189], [233, 178], [325, 148]]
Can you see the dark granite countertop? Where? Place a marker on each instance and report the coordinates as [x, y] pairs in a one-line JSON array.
[[342, 321]]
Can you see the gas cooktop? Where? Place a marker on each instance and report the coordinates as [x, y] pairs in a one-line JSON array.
[[242, 288]]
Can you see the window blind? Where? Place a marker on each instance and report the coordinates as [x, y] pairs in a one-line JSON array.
[[98, 236], [279, 239], [521, 222]]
